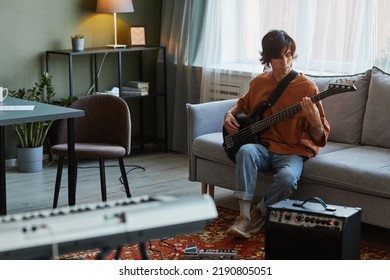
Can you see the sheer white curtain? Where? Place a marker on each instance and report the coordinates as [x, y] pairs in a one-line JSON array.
[[331, 36], [340, 36], [223, 49]]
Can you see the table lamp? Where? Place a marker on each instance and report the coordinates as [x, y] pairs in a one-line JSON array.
[[115, 6]]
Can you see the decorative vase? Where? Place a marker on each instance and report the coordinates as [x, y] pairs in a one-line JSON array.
[[78, 44], [30, 160]]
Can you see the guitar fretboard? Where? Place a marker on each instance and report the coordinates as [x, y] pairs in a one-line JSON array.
[[271, 120]]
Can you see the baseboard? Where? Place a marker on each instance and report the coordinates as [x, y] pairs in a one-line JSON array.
[[13, 162]]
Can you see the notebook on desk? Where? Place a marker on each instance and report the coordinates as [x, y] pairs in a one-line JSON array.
[[17, 108]]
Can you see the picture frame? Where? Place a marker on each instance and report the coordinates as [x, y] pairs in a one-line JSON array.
[[137, 36]]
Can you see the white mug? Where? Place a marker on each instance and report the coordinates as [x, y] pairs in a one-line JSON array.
[[3, 93]]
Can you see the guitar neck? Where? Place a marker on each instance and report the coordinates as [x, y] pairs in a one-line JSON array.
[[271, 120]]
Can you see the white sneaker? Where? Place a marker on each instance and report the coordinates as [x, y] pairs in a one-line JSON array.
[[241, 228]]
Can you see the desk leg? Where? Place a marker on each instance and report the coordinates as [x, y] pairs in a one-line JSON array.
[[3, 195], [165, 101], [71, 164]]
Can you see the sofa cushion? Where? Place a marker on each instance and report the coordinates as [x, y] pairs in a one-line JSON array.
[[345, 111], [362, 169], [376, 130], [209, 146], [334, 146]]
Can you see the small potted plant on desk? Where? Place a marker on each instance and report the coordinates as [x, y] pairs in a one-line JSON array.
[[32, 135]]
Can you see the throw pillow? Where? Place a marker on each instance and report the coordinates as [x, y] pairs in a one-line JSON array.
[[376, 130], [345, 111]]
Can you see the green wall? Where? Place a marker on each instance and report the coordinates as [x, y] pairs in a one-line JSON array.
[[30, 27]]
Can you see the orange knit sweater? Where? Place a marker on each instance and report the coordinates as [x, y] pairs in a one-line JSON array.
[[291, 135]]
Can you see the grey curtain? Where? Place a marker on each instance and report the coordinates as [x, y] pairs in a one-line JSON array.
[[181, 34]]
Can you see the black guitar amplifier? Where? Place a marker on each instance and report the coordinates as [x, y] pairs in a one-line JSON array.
[[297, 230]]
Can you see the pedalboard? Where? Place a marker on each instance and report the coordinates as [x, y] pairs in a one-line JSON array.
[[192, 252]]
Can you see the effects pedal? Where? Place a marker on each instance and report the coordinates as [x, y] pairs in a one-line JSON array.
[[192, 252]]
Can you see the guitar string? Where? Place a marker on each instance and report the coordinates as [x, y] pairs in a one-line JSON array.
[[248, 131], [263, 124], [259, 126]]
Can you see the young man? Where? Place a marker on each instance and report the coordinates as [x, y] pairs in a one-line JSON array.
[[285, 145]]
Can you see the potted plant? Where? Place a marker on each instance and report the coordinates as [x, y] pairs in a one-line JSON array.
[[32, 135], [77, 42]]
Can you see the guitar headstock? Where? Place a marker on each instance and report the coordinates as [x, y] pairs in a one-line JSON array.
[[342, 87], [337, 88]]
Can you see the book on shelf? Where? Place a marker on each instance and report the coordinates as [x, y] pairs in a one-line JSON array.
[[137, 84], [130, 93], [126, 88], [135, 88], [133, 94]]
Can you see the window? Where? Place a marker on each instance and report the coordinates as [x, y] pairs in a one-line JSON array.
[[332, 36]]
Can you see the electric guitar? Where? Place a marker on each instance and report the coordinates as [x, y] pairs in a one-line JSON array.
[[252, 126]]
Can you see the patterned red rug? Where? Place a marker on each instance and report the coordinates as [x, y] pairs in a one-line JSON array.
[[213, 237]]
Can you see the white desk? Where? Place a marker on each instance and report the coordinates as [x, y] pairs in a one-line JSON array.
[[41, 112]]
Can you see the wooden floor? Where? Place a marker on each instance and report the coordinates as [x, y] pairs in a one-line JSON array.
[[149, 173], [155, 173]]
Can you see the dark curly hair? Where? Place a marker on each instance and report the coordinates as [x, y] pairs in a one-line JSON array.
[[273, 43]]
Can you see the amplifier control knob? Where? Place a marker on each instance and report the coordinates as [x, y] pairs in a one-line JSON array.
[[298, 218]]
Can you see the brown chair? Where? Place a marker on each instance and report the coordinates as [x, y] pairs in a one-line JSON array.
[[103, 133]]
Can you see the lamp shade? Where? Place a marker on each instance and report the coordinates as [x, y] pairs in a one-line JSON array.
[[114, 6]]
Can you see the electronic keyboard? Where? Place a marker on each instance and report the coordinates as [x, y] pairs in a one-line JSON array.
[[46, 234]]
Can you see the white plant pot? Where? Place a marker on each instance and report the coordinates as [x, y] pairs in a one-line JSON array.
[[30, 160], [77, 44]]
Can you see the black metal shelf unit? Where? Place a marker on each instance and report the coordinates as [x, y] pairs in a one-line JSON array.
[[137, 140]]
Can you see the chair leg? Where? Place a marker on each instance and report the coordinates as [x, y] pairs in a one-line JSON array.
[[124, 176], [58, 181], [103, 179], [211, 191], [206, 188]]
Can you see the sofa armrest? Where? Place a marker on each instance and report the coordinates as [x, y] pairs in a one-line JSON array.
[[202, 119]]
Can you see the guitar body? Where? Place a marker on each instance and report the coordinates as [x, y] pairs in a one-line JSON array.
[[232, 143]]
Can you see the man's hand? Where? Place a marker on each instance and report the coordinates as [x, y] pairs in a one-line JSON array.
[[313, 116], [311, 112], [230, 123]]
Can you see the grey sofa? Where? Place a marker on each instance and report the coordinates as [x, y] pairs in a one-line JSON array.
[[353, 169]]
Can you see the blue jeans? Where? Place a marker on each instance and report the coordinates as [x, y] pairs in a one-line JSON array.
[[252, 158]]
